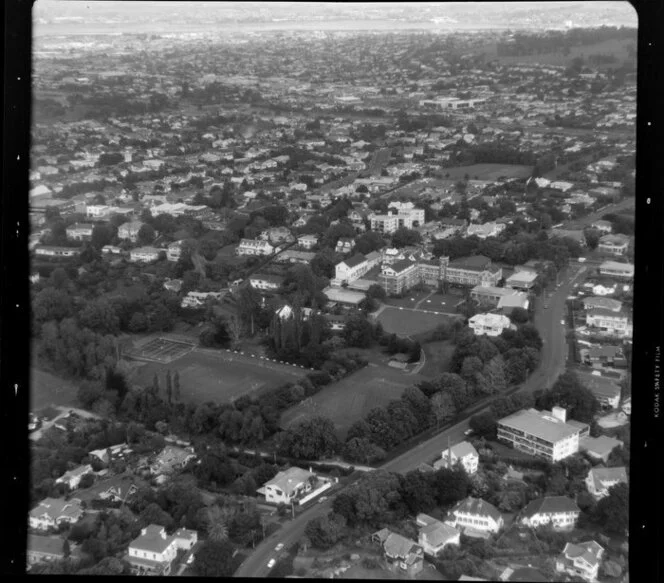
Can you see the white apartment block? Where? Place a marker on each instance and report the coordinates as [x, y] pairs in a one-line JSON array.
[[541, 434], [610, 322], [489, 324], [392, 221]]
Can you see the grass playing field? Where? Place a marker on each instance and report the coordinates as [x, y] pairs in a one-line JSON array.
[[488, 171], [353, 397], [218, 376], [407, 321]]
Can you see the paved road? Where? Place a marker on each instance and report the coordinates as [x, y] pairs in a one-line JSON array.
[[547, 321]]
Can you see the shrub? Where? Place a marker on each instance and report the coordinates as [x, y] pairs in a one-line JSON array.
[[370, 563]]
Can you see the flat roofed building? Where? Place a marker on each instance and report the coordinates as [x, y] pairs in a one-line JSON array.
[[344, 296], [615, 269], [489, 324], [54, 251], [542, 434], [521, 280]]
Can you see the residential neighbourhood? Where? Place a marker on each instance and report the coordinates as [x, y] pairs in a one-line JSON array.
[[315, 301]]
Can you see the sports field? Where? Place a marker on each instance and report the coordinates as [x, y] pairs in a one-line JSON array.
[[488, 171], [408, 321], [47, 389], [353, 397], [217, 375], [161, 350]]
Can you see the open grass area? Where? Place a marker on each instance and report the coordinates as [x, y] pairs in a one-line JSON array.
[[488, 171], [408, 321], [217, 375], [438, 356], [353, 397], [47, 389]]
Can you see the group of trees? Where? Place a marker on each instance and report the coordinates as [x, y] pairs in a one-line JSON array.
[[570, 393]]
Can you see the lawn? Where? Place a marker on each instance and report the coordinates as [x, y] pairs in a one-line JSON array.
[[488, 171], [353, 397], [408, 322], [438, 356], [47, 389], [218, 376]]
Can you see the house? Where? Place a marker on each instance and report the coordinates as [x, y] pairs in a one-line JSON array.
[[592, 303], [308, 241], [153, 551], [489, 324], [521, 280], [403, 556], [399, 276], [606, 355], [290, 256], [174, 251], [491, 229], [53, 251], [606, 391], [118, 450], [599, 447], [196, 299], [542, 433], [44, 548], [601, 225], [344, 245], [510, 302], [464, 453], [615, 269], [475, 515], [559, 511], [172, 458], [609, 322], [130, 230], [337, 322], [144, 254], [111, 250], [613, 244], [51, 512], [627, 406], [581, 560], [80, 232], [174, 285], [351, 269], [277, 235], [599, 480], [470, 271], [266, 281], [116, 489], [435, 535], [254, 247], [72, 478], [287, 486]]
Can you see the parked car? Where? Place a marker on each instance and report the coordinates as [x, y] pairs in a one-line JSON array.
[[190, 560], [271, 563], [279, 547], [468, 432]]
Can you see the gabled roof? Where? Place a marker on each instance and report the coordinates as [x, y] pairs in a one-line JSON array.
[[355, 260], [478, 507], [289, 479], [601, 446], [396, 545], [153, 538], [602, 476], [550, 505], [57, 507], [438, 533], [461, 450], [590, 551]]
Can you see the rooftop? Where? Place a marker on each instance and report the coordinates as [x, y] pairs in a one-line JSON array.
[[601, 446], [355, 260], [478, 507], [538, 424], [288, 480], [549, 505], [474, 262], [153, 538]]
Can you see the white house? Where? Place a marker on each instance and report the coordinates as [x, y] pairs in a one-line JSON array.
[[153, 551], [144, 254], [581, 560], [613, 244], [435, 535], [615, 269], [351, 269], [489, 324], [266, 281], [559, 511], [615, 323], [174, 250], [73, 477], [475, 514], [130, 230], [54, 511], [599, 480], [308, 241], [80, 232], [287, 486], [254, 247], [464, 453]]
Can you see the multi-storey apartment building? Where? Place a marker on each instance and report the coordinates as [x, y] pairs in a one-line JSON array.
[[407, 217], [399, 276], [543, 434], [615, 323]]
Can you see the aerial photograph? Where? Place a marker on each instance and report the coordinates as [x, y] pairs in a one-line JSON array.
[[332, 290]]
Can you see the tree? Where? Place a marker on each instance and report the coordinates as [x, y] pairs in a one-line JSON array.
[[176, 386], [216, 524], [612, 511], [314, 438], [169, 387], [146, 234], [416, 490], [362, 450], [484, 424], [376, 292], [325, 531], [442, 405], [404, 237], [358, 332], [568, 392], [214, 559], [494, 372]]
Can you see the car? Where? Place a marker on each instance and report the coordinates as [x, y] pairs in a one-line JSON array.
[[562, 322], [279, 547], [190, 560], [322, 499], [468, 432], [546, 306], [271, 563]]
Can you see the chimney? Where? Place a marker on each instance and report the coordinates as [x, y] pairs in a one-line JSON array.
[[559, 413]]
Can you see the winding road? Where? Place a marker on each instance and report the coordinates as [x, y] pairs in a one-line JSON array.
[[554, 356]]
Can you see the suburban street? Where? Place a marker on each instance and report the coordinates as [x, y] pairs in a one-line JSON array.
[[554, 353]]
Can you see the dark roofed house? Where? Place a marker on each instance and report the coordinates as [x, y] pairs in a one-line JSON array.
[[599, 447], [559, 511], [403, 556]]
